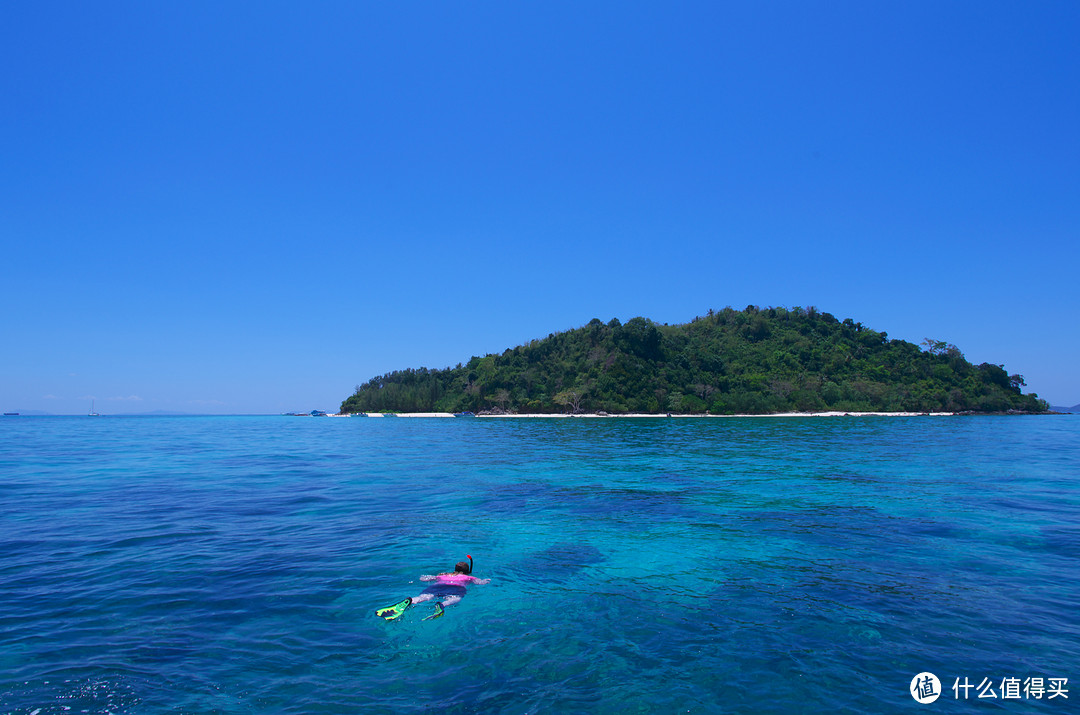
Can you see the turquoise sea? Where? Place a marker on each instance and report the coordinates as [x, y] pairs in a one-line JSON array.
[[749, 565]]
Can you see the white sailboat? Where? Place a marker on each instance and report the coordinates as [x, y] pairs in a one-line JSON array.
[[92, 413]]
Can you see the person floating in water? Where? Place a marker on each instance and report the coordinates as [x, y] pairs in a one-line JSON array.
[[450, 586]]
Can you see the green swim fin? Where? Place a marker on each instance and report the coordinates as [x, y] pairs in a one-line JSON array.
[[395, 611], [439, 610]]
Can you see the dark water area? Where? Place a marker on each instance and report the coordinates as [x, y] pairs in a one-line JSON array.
[[234, 564]]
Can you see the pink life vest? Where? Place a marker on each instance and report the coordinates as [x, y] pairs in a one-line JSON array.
[[455, 579]]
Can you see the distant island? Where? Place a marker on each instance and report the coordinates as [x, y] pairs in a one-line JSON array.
[[751, 361]]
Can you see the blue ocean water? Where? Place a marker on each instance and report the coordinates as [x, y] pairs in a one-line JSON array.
[[233, 564]]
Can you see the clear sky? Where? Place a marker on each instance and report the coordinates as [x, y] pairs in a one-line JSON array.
[[252, 207]]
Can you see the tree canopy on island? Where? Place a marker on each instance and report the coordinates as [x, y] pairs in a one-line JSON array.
[[756, 361]]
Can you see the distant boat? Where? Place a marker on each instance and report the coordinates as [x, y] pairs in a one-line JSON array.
[[318, 413], [464, 414], [11, 414], [92, 413]]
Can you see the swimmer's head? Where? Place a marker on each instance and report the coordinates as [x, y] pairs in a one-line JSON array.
[[463, 567]]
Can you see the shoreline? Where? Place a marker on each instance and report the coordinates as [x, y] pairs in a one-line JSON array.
[[592, 415]]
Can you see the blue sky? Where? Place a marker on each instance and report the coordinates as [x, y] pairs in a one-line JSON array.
[[252, 207]]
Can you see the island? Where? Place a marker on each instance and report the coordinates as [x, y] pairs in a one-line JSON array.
[[750, 361]]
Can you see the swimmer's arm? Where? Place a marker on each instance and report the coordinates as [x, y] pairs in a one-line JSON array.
[[428, 577], [480, 581]]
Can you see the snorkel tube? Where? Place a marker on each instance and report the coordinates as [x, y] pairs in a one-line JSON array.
[[469, 556]]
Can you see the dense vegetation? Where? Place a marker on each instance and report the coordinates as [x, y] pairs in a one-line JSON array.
[[757, 360]]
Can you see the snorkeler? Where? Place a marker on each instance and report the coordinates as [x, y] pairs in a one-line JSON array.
[[450, 586]]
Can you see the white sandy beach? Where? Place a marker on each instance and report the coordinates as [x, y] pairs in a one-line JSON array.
[[777, 414], [396, 414], [659, 416]]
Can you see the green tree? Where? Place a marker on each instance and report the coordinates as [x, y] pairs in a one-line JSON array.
[[754, 360], [571, 399]]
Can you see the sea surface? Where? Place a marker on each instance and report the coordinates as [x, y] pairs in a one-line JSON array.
[[748, 565]]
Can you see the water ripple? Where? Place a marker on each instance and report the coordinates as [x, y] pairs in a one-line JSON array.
[[233, 565]]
